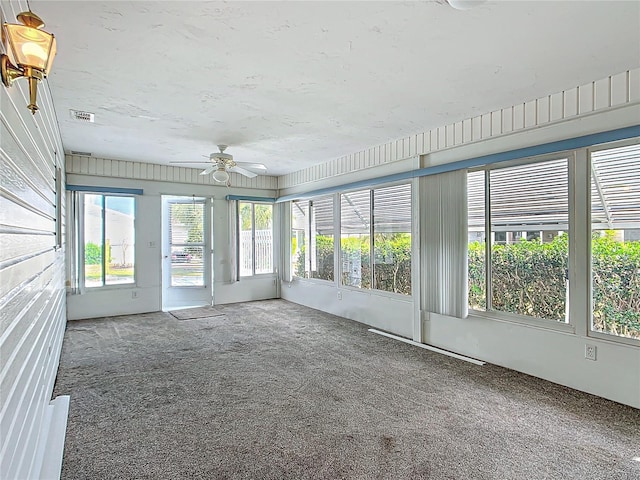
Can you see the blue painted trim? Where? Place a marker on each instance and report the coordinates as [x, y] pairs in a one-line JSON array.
[[545, 148], [247, 198], [86, 188]]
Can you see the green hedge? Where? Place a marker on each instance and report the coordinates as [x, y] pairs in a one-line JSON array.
[[324, 259], [616, 286], [392, 257], [528, 278]]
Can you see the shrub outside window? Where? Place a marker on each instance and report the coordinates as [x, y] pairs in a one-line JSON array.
[[312, 238], [392, 238], [380, 221], [355, 238], [476, 246], [529, 217], [615, 241]]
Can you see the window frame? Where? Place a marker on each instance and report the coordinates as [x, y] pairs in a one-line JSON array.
[[59, 199], [200, 200], [568, 326], [80, 253], [253, 240], [338, 242], [590, 332], [308, 228]]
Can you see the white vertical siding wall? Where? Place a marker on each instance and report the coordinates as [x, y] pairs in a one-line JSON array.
[[32, 299], [611, 92]]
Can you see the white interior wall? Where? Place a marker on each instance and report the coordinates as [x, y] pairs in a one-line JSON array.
[[118, 300], [32, 297], [555, 355]]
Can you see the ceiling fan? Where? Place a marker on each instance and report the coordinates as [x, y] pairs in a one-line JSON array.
[[220, 164]]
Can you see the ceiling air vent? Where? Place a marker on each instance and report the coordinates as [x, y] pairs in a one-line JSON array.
[[82, 116], [80, 154]]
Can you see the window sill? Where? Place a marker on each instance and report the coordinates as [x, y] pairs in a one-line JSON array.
[[257, 276], [377, 293], [608, 337], [119, 286], [364, 291], [319, 281], [524, 320]]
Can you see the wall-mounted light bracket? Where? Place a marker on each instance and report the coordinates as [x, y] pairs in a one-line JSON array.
[[31, 49]]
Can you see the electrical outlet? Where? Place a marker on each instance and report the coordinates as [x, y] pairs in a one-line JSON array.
[[339, 295], [590, 352], [134, 294]]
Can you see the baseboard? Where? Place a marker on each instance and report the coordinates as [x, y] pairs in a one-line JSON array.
[[53, 448]]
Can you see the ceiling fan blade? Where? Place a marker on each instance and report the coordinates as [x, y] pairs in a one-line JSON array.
[[244, 172], [208, 170], [255, 166], [189, 163]]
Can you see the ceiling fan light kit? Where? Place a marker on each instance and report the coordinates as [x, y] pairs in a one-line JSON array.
[[30, 50], [221, 175]]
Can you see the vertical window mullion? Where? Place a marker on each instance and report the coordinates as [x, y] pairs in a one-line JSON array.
[[309, 241], [79, 238], [104, 243], [487, 239], [371, 245], [337, 240], [253, 238], [238, 230]]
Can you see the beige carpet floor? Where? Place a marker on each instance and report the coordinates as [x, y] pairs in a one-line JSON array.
[[274, 390]]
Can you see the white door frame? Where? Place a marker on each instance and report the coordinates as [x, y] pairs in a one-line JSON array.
[[176, 297]]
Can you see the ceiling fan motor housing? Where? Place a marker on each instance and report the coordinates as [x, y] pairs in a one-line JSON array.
[[219, 156]]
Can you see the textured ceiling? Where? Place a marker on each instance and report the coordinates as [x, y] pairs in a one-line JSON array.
[[291, 84]]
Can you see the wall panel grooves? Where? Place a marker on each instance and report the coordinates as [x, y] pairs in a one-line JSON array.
[[11, 229], [19, 200], [24, 309], [23, 258], [32, 293], [163, 173], [18, 173], [36, 154]]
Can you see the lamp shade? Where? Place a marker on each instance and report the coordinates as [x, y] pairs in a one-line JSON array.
[[221, 176], [30, 47]]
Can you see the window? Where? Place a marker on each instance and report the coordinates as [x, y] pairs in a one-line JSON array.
[[528, 226], [355, 238], [380, 221], [312, 238], [109, 240], [392, 239], [255, 225], [186, 236], [299, 237], [59, 205], [615, 241], [476, 247]]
